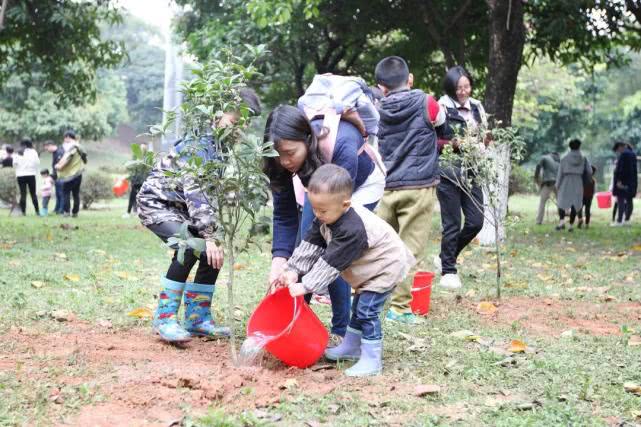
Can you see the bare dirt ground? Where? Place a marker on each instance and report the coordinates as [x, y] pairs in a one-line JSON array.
[[551, 317], [143, 382]]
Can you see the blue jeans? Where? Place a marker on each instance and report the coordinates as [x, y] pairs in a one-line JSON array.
[[60, 204], [339, 291], [366, 314]]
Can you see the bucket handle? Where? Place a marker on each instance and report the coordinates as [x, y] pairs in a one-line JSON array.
[[290, 326], [420, 289]]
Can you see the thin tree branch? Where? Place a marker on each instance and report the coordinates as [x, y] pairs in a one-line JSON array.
[[458, 15]]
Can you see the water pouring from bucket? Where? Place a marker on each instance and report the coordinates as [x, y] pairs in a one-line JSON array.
[[287, 328]]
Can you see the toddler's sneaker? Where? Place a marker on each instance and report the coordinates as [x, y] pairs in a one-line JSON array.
[[406, 318], [450, 281], [438, 265]]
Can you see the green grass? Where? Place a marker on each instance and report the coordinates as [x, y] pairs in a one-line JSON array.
[[566, 381]]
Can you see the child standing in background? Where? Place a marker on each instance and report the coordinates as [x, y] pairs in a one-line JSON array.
[[45, 191], [588, 196]]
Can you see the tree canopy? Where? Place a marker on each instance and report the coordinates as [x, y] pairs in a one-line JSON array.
[[60, 41], [315, 36]]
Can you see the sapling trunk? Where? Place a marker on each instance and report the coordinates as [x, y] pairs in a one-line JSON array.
[[230, 300], [497, 247]]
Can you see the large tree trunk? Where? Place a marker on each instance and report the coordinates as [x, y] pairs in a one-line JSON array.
[[3, 10], [507, 38]]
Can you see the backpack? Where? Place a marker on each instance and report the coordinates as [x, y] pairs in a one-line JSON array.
[[333, 98]]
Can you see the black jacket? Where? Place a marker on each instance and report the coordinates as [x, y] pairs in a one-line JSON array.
[[407, 141]]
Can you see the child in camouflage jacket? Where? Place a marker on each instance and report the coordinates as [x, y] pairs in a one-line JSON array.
[[167, 202]]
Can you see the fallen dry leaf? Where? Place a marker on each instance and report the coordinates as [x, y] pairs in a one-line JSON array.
[[464, 334], [517, 346], [471, 293], [122, 275], [141, 313], [37, 284], [636, 248], [634, 340], [239, 266], [7, 245], [14, 263], [60, 255], [426, 390], [72, 277], [545, 277], [632, 388], [609, 298], [517, 285], [486, 307], [63, 315]]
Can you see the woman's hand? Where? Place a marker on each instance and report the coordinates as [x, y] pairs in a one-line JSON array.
[[297, 289], [278, 266], [215, 255]]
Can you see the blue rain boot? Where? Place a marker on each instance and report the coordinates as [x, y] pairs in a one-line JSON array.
[[348, 349], [371, 361], [44, 211], [198, 320], [165, 321]]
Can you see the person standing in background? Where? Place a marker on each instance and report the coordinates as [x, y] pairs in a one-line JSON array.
[[624, 181], [7, 161], [574, 171], [27, 166], [545, 177], [70, 168]]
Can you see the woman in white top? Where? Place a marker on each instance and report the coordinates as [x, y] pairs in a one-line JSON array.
[[27, 166]]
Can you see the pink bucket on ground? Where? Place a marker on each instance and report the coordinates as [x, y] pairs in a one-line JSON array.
[[604, 200], [299, 337], [421, 292]]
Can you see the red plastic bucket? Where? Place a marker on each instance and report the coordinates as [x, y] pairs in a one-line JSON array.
[[421, 292], [299, 337], [604, 200], [120, 187]]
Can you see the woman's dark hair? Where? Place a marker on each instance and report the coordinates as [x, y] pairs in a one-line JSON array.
[[69, 134], [26, 143], [287, 122], [618, 144], [44, 172], [450, 81], [8, 149]]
